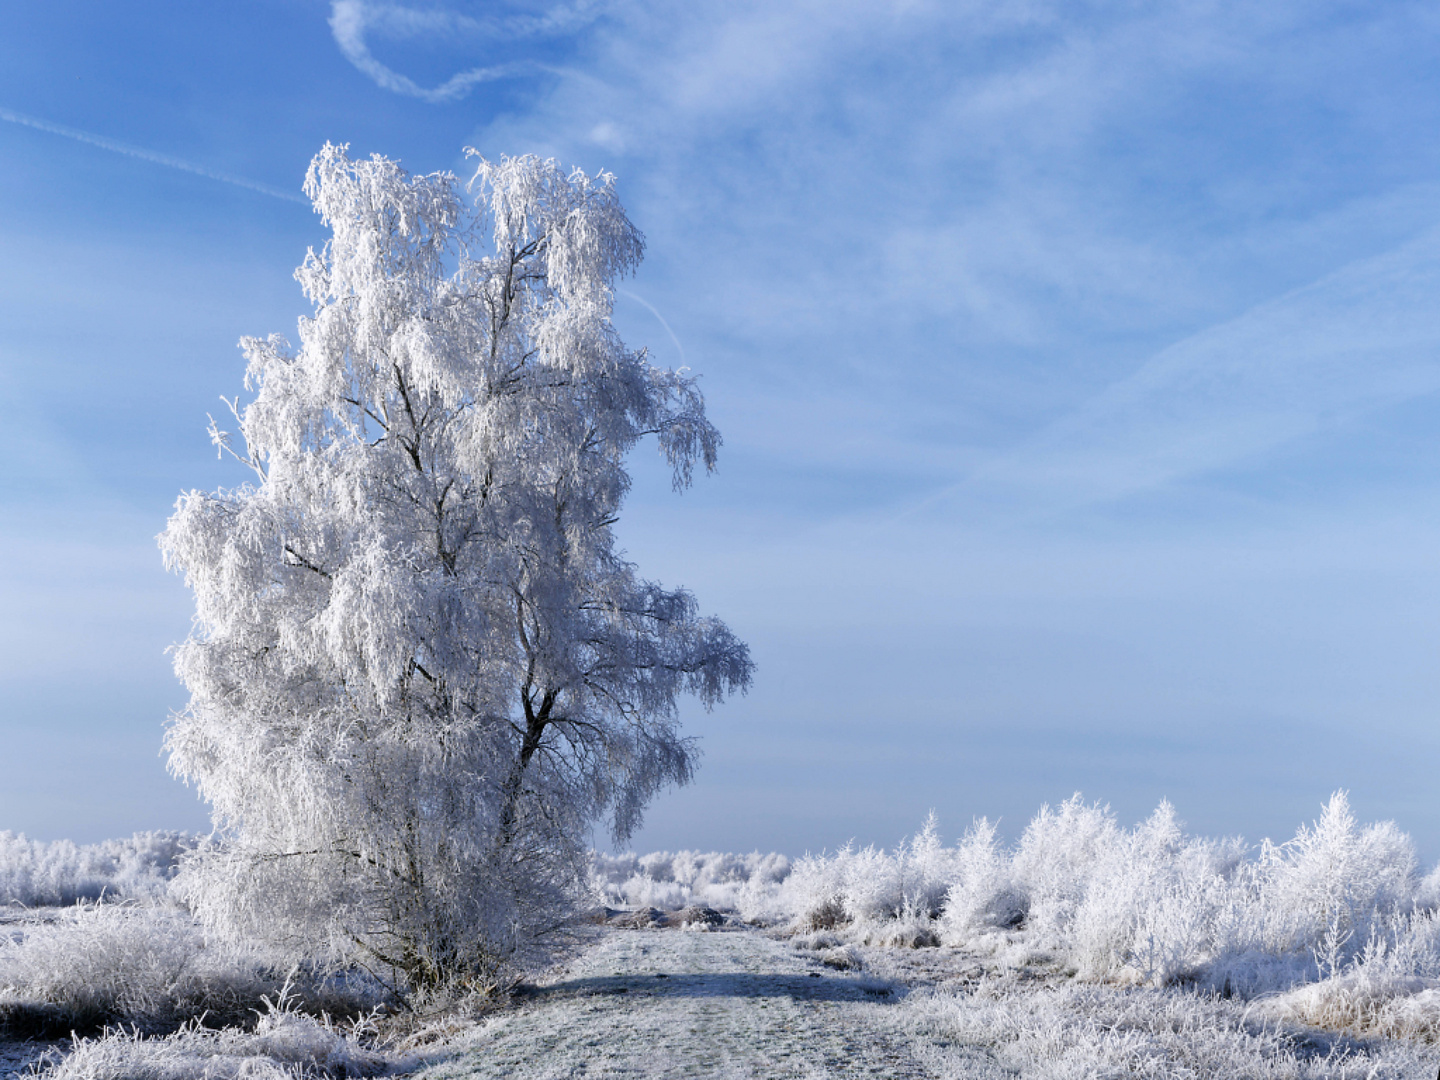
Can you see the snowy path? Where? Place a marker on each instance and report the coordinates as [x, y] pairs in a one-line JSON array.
[[653, 1003]]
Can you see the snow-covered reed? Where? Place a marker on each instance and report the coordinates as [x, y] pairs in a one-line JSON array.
[[36, 874]]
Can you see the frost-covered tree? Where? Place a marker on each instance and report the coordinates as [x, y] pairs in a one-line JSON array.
[[420, 669]]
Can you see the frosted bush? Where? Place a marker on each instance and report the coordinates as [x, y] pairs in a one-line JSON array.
[[1152, 908], [147, 967], [658, 866], [58, 873], [1335, 883], [642, 891], [101, 964], [671, 881], [871, 887], [813, 894], [1427, 891], [1149, 905], [1060, 852], [924, 869], [982, 895], [761, 899]]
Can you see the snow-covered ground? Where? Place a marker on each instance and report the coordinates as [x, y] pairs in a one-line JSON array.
[[1086, 949], [741, 1001], [746, 1003], [642, 1003]]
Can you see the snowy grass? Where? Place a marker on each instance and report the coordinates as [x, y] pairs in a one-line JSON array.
[[1083, 1030], [285, 1043], [149, 968]]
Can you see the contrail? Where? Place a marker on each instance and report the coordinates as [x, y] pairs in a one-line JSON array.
[[148, 155], [653, 311]]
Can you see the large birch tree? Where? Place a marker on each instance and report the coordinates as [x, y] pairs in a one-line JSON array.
[[420, 669]]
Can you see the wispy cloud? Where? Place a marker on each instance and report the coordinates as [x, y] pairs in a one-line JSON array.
[[1359, 339], [960, 222], [353, 21], [116, 147]]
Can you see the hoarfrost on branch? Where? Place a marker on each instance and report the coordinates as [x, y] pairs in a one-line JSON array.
[[419, 668]]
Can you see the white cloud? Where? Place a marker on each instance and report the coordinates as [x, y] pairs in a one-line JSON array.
[[1361, 338], [936, 234], [353, 22]]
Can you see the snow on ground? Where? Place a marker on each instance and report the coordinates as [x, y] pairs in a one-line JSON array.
[[1087, 950], [743, 1003], [729, 1003], [16, 1056]]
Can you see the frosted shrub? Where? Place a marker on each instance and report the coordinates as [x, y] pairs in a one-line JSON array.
[[1145, 905], [58, 873], [1150, 913], [671, 881], [1335, 883], [608, 874], [814, 892], [1060, 852], [761, 898], [658, 866], [891, 896], [103, 964], [1148, 905], [641, 891], [925, 867], [718, 879], [150, 967], [982, 895], [1427, 891], [871, 884]]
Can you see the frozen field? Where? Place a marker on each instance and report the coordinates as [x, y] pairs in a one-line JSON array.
[[1088, 949], [745, 1003]]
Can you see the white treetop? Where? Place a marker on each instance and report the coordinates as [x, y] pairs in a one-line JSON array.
[[419, 668]]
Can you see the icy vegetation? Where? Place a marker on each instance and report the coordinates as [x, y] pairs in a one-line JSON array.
[[284, 1043], [420, 669], [1086, 948], [38, 874], [1334, 928]]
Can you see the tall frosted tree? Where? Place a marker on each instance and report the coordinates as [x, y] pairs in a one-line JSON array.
[[419, 669]]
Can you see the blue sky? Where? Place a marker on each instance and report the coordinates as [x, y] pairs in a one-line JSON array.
[[1079, 368]]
